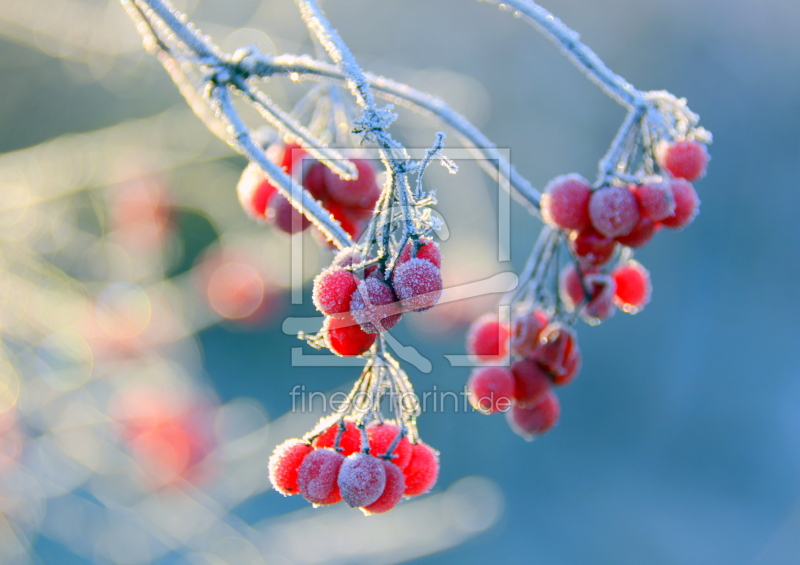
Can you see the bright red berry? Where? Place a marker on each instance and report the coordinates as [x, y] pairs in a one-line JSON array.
[[591, 247], [317, 477], [344, 336], [428, 250], [254, 191], [418, 284], [422, 471], [613, 210], [632, 287], [314, 181], [281, 214], [641, 233], [530, 382], [487, 339], [374, 306], [526, 327], [284, 464], [686, 204], [381, 436], [565, 202], [392, 492], [362, 192], [490, 389], [349, 442], [599, 305], [333, 289], [655, 199], [684, 159], [558, 346], [362, 479], [536, 420]]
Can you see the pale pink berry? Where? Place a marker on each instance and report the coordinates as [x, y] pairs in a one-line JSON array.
[[684, 159], [490, 389], [655, 199], [686, 204], [613, 210], [531, 382], [418, 284], [487, 339], [632, 287], [374, 306], [535, 420], [591, 247], [526, 327], [423, 469], [318, 475], [285, 463], [565, 202], [361, 480], [428, 250], [392, 492], [333, 289]]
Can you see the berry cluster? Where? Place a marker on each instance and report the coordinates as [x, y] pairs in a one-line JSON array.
[[543, 352], [371, 466], [349, 201], [360, 300]]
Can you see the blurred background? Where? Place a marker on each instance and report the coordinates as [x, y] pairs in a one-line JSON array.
[[144, 370]]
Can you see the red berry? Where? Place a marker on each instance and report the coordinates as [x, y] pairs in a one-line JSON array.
[[632, 287], [530, 382], [686, 204], [487, 339], [314, 181], [350, 440], [565, 202], [281, 214], [333, 289], [284, 464], [490, 389], [344, 336], [422, 471], [418, 284], [428, 250], [526, 326], [392, 492], [374, 306], [536, 420], [254, 191], [613, 210], [362, 192], [683, 159], [381, 437], [362, 479], [558, 345], [600, 304], [641, 233], [591, 247], [655, 199], [317, 477]]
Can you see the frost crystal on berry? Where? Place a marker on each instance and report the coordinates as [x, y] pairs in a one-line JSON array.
[[362, 479], [317, 477], [418, 284], [613, 210], [374, 306], [565, 202]]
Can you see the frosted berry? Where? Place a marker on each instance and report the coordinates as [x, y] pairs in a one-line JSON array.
[[613, 210], [641, 233], [254, 191], [591, 247], [536, 420], [683, 159], [428, 250], [361, 480], [392, 492], [526, 327], [632, 287], [490, 389], [422, 471], [531, 382], [686, 204], [344, 336], [281, 214], [362, 192], [318, 475], [381, 436], [350, 440], [350, 256], [333, 289], [285, 463], [565, 202], [374, 306], [558, 347], [418, 284], [599, 305], [655, 199], [487, 339]]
